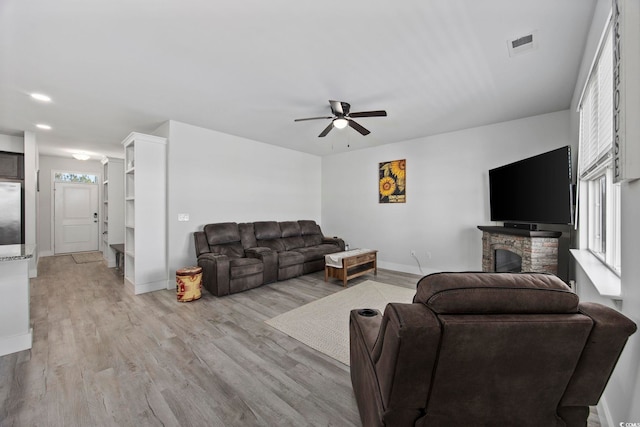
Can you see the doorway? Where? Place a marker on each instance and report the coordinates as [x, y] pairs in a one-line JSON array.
[[75, 213]]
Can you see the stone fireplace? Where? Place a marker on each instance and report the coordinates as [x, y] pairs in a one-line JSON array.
[[518, 250]]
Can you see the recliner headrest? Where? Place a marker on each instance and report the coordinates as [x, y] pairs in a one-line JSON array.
[[495, 293], [221, 233], [309, 227], [266, 230]]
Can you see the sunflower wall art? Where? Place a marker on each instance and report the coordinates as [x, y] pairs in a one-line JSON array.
[[391, 182]]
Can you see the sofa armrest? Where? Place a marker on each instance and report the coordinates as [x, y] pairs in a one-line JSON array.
[[365, 326], [610, 332], [405, 353], [335, 241], [215, 273], [269, 260]]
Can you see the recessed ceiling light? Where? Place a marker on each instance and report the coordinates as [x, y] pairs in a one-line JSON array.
[[43, 126], [81, 156], [41, 97]]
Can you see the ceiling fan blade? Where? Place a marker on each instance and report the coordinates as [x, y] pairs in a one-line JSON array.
[[377, 113], [358, 127], [313, 118], [326, 130]]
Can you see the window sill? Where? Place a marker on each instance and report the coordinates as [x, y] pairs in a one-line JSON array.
[[606, 282]]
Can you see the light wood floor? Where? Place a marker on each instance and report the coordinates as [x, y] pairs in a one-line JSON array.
[[103, 357]]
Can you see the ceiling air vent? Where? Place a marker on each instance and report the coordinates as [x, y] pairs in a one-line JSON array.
[[522, 44]]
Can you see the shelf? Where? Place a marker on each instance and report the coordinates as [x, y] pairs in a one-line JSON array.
[[144, 207]]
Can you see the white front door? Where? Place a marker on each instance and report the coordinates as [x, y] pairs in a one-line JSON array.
[[76, 217]]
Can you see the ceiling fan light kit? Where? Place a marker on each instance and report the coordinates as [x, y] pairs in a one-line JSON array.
[[342, 118], [340, 123]]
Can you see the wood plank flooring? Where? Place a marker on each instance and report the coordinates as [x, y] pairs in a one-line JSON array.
[[103, 357]]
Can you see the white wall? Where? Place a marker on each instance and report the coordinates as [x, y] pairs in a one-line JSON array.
[[619, 403], [45, 196], [11, 144], [215, 177], [31, 205], [447, 192]]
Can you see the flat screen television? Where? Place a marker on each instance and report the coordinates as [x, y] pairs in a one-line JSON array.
[[534, 190]]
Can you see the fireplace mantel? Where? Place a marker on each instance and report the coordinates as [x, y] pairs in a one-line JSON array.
[[518, 231]]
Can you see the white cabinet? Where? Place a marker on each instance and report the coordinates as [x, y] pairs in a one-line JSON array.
[[145, 266], [112, 207]]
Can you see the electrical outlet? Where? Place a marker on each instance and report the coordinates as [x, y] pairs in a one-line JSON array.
[[183, 217]]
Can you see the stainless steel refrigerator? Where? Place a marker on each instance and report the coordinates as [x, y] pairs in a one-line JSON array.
[[11, 213]]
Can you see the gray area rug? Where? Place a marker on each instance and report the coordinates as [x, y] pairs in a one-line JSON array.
[[85, 257], [324, 324]]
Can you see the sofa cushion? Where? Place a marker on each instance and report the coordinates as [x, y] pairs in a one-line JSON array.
[[290, 229], [273, 244], [317, 252], [312, 240], [266, 230], [242, 267], [247, 235], [232, 250], [224, 232], [495, 293], [286, 259], [291, 243], [308, 227]]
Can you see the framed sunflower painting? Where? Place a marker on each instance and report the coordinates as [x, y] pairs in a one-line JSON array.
[[391, 182]]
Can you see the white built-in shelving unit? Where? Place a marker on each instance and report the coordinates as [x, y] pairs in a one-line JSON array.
[[112, 207], [145, 213]]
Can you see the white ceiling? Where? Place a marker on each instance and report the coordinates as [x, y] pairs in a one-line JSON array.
[[248, 68]]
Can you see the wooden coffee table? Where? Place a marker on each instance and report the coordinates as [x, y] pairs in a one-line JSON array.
[[350, 264]]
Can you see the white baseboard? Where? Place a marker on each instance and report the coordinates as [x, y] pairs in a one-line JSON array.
[[138, 289], [407, 268], [16, 343]]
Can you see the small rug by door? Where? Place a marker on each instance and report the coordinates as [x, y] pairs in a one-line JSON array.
[[85, 257], [324, 324]]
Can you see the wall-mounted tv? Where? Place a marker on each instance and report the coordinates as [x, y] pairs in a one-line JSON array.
[[534, 190]]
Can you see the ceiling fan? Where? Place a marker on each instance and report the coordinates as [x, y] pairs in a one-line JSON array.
[[342, 117]]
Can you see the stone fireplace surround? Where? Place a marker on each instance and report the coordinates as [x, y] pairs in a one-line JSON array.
[[538, 249]]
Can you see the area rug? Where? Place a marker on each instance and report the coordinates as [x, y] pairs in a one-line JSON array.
[[85, 257], [324, 324]]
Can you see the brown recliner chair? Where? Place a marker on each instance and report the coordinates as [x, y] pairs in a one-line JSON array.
[[227, 265], [484, 349]]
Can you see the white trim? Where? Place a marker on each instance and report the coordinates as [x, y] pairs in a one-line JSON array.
[[606, 282], [52, 206], [595, 58], [16, 343]]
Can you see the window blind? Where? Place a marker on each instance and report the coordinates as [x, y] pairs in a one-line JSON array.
[[596, 112]]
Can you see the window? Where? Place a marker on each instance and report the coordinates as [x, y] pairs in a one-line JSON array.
[[81, 178], [599, 209]]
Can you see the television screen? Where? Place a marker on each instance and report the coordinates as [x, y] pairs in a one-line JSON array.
[[533, 190]]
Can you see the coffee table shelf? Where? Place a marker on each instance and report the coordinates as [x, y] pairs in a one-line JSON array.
[[350, 264]]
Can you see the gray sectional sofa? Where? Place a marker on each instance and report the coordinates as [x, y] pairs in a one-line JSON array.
[[237, 257]]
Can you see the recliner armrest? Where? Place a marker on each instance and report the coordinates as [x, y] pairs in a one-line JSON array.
[[334, 240], [610, 332], [269, 259], [215, 273], [367, 327]]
